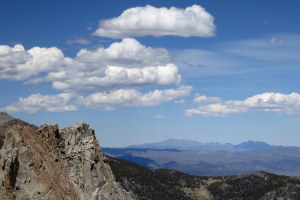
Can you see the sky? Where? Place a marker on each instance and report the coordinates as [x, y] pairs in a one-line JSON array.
[[145, 71]]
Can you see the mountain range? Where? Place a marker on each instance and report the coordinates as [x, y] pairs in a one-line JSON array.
[[212, 159], [181, 144]]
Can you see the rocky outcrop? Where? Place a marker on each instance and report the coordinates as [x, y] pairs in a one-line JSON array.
[[49, 163]]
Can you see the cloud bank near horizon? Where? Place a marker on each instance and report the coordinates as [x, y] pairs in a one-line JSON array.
[[267, 102]]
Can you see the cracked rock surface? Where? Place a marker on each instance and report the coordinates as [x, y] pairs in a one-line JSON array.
[[48, 163]]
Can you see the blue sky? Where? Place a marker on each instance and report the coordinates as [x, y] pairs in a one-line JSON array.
[[144, 71]]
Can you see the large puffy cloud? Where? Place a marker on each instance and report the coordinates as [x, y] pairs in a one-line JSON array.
[[268, 102], [10, 56], [19, 64], [149, 20], [131, 97], [36, 102], [116, 77], [129, 52], [123, 64]]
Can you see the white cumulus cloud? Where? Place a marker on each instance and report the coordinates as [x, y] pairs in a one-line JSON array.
[[36, 102], [123, 64], [115, 77], [205, 99], [149, 20], [131, 97], [268, 102], [10, 56], [128, 52], [19, 64]]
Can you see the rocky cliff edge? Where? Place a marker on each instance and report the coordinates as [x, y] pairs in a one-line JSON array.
[[48, 163]]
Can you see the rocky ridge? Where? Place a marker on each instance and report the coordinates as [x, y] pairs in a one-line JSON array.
[[170, 184], [48, 163]]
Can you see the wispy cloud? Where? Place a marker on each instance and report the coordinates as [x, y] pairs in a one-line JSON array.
[[159, 116], [149, 20], [277, 41], [79, 40], [275, 52]]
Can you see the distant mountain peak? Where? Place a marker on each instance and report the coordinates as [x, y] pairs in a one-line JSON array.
[[4, 113], [7, 121], [251, 141], [4, 116], [251, 145]]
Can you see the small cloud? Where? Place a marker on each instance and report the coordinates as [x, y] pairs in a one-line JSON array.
[[159, 116], [109, 108], [193, 65], [205, 99], [277, 41], [179, 101], [79, 40], [265, 22]]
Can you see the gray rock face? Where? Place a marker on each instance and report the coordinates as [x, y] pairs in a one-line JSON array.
[[49, 163]]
